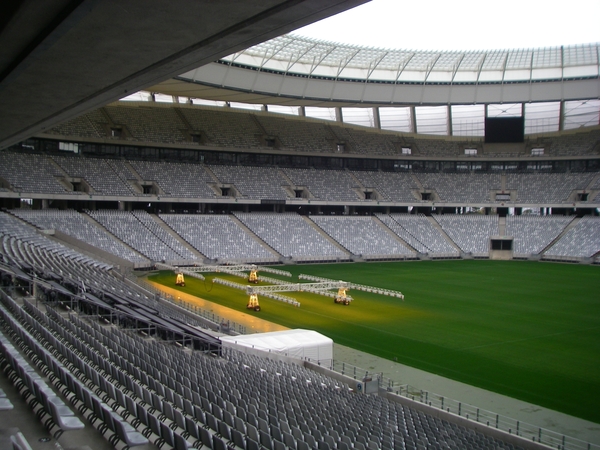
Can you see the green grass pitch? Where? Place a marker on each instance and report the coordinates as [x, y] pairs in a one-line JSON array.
[[528, 330]]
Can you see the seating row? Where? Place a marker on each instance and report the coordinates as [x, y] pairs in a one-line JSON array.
[[203, 182]]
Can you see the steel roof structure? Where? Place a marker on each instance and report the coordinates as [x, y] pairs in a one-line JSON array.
[[296, 70], [302, 56]]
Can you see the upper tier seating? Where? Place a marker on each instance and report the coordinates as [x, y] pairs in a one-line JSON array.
[[149, 123], [253, 182], [176, 179], [362, 236], [575, 144], [438, 147], [531, 234], [234, 128], [461, 187], [392, 186], [218, 237], [546, 187], [222, 128], [471, 233], [329, 185], [99, 173], [60, 174], [299, 135], [291, 236], [365, 142], [90, 125], [16, 169]]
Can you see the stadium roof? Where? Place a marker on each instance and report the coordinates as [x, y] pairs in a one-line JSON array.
[[292, 70], [61, 58], [303, 56]]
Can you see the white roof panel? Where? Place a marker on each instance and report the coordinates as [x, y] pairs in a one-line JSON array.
[[304, 56]]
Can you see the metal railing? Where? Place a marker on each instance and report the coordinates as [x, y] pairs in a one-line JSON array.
[[493, 420]]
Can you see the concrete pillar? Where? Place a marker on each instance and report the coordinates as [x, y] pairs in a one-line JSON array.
[[302, 111], [338, 114], [376, 118], [45, 203], [449, 120], [561, 117], [413, 120]]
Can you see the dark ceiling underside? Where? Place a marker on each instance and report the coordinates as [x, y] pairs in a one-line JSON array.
[[60, 59]]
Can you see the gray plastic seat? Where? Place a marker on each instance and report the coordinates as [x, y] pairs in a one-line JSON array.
[[129, 437]]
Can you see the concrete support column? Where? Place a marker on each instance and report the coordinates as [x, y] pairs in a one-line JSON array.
[[523, 115], [302, 111], [561, 117], [376, 118], [338, 114], [413, 120], [45, 203], [449, 120]]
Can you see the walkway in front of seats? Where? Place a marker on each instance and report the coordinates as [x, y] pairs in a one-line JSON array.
[[401, 374]]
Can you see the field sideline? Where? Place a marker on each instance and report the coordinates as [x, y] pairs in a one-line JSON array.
[[528, 330]]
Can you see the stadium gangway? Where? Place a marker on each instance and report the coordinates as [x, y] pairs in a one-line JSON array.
[[358, 287]]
